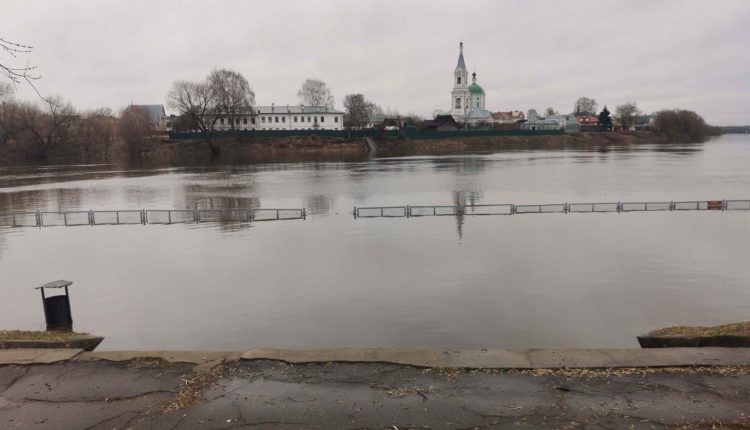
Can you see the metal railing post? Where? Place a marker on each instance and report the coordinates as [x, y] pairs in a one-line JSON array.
[[65, 217], [169, 216]]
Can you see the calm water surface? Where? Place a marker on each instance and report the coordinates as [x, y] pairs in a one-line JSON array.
[[576, 280]]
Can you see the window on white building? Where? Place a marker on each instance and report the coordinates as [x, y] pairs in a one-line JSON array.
[[458, 80], [322, 119], [336, 119], [283, 119], [252, 120], [221, 121], [458, 103], [276, 119], [263, 119], [244, 121], [295, 119]]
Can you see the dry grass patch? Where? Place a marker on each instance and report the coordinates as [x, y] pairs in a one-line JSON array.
[[630, 371], [736, 329], [449, 373], [191, 387], [452, 374], [148, 363]]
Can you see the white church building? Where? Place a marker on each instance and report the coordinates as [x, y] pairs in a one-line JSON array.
[[467, 100]]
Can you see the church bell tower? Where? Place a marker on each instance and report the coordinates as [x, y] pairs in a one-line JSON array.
[[460, 93]]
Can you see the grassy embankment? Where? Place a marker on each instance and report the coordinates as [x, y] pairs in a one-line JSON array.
[[736, 329], [313, 148]]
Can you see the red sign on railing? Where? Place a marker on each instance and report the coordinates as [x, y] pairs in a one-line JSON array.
[[715, 205]]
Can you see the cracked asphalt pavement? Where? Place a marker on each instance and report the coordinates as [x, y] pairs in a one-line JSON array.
[[273, 394]]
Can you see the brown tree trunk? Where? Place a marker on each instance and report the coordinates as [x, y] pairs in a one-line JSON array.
[[214, 147]]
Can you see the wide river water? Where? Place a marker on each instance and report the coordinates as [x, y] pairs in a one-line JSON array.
[[550, 280]]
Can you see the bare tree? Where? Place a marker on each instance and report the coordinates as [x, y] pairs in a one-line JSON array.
[[96, 130], [135, 128], [625, 115], [550, 111], [184, 123], [199, 102], [9, 123], [16, 73], [6, 90], [225, 94], [315, 92], [358, 111], [49, 127], [585, 106], [681, 123], [233, 94]]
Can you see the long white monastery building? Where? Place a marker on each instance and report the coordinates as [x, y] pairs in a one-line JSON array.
[[286, 118]]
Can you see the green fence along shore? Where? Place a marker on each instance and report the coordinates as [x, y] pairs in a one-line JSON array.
[[349, 134]]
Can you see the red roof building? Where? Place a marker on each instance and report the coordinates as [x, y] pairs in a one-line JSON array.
[[587, 120]]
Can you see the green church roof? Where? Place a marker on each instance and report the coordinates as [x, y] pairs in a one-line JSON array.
[[476, 89]]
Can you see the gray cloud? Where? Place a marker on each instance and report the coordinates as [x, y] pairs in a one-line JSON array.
[[660, 54]]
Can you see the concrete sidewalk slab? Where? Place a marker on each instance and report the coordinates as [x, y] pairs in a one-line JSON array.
[[36, 356], [516, 359]]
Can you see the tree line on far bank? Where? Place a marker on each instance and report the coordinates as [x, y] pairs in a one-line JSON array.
[[34, 129], [673, 123]]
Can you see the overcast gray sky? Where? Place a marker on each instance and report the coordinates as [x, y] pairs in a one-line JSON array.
[[400, 54]]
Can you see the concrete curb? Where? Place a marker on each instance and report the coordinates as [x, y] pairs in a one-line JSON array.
[[36, 356], [479, 358], [519, 359], [672, 341], [193, 357], [85, 342]]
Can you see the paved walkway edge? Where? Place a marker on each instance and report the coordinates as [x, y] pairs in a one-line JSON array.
[[517, 359], [36, 356], [484, 358]]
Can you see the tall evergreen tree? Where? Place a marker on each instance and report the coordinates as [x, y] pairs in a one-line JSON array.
[[605, 120]]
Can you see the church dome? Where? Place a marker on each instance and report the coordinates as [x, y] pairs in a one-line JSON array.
[[476, 89]]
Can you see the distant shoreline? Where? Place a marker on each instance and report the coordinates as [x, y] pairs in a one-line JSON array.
[[314, 148]]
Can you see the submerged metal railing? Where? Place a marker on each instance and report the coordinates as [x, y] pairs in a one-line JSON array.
[[145, 216], [409, 211]]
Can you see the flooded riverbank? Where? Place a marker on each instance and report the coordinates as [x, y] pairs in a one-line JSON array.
[[584, 280], [253, 150]]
